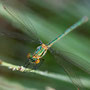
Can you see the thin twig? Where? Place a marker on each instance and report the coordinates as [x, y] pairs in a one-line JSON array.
[[43, 73]]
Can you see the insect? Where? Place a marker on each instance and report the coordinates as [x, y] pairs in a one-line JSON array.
[[42, 49], [36, 60]]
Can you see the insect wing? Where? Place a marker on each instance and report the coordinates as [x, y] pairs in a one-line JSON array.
[[17, 15], [68, 67], [16, 35]]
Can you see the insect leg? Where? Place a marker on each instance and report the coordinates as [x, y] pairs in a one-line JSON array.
[[27, 63]]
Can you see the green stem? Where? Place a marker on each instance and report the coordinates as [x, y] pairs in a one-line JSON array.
[[43, 73]]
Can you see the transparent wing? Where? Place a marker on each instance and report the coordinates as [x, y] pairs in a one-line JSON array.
[[14, 44], [76, 60], [18, 15], [65, 63], [16, 35]]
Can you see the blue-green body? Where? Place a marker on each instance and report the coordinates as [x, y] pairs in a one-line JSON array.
[[42, 49], [83, 20]]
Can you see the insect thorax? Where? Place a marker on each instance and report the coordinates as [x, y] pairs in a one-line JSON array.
[[40, 51]]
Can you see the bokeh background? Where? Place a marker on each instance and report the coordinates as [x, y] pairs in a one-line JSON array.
[[46, 19]]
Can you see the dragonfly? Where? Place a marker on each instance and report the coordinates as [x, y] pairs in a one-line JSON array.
[[36, 59], [42, 49]]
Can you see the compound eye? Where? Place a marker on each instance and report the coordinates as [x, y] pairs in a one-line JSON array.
[[37, 61], [28, 55]]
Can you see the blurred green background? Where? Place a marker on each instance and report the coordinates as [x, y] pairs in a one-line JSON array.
[[49, 18]]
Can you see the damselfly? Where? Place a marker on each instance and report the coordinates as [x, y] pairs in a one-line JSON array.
[[35, 59]]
